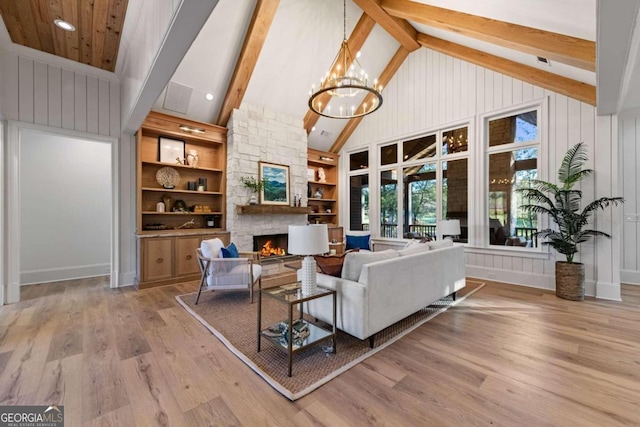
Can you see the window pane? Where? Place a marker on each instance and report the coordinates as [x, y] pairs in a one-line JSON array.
[[359, 160], [359, 202], [519, 128], [455, 141], [420, 201], [455, 194], [388, 154], [389, 204], [420, 148], [508, 224]]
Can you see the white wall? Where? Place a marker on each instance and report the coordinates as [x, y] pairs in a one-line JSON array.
[[630, 165], [431, 90], [65, 207]]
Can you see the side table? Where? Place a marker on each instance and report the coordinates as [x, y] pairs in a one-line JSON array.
[[281, 334]]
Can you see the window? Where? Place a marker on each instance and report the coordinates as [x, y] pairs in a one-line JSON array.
[[359, 191], [389, 203], [513, 147], [420, 204], [434, 173], [359, 161]]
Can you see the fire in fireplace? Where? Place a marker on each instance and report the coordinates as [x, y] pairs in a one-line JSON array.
[[272, 245]]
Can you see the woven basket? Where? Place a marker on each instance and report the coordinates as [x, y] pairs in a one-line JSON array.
[[570, 280]]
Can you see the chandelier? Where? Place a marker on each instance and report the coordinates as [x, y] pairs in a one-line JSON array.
[[344, 81]]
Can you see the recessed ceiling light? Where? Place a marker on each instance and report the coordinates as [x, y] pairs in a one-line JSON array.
[[64, 25], [209, 97], [313, 129]]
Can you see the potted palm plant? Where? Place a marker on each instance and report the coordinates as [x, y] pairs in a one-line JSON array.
[[255, 186], [562, 204]]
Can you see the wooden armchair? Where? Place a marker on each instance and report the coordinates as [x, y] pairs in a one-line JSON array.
[[229, 273]]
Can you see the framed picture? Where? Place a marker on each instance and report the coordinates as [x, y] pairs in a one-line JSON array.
[[276, 188], [311, 174], [170, 150]]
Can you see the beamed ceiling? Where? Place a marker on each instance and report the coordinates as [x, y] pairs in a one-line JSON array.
[[98, 27], [269, 52]]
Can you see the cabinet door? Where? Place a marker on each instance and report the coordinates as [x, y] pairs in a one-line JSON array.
[[157, 259], [186, 259]]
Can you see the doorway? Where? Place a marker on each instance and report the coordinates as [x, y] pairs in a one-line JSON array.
[[62, 198]]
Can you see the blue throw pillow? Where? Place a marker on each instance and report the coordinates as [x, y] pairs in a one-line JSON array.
[[230, 251], [358, 242]]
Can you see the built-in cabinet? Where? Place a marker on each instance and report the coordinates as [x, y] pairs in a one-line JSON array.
[[171, 258], [172, 220], [323, 187]]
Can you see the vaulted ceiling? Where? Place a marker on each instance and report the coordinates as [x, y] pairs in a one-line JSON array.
[[270, 52]]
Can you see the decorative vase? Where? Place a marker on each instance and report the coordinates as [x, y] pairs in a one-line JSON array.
[[253, 199], [570, 280]]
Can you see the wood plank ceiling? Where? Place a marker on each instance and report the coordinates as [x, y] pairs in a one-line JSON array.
[[98, 28]]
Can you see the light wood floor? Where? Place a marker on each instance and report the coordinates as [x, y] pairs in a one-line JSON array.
[[508, 355]]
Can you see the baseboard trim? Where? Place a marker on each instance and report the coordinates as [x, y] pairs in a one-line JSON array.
[[64, 273], [127, 279], [531, 280], [608, 290], [630, 277]]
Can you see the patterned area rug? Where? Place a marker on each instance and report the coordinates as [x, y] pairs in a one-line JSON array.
[[230, 317]]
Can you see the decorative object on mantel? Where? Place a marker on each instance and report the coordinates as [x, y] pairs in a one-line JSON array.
[[562, 204], [344, 81], [308, 240], [168, 177], [254, 185]]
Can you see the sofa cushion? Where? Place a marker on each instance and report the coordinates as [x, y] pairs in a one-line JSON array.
[[353, 262], [211, 248], [437, 244], [414, 249], [358, 241]]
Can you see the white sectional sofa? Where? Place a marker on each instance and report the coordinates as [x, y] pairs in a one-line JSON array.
[[390, 286]]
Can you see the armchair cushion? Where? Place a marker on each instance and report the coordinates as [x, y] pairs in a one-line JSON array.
[[230, 251], [232, 273], [211, 248]]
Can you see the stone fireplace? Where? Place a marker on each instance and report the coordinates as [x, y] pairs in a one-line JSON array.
[[260, 134]]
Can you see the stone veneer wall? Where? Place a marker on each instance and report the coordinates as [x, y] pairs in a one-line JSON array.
[[258, 133]]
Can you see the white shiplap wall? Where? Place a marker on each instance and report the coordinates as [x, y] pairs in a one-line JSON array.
[[630, 161], [50, 95], [431, 90]]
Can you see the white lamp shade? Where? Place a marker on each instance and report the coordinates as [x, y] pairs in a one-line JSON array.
[[310, 239], [450, 227]]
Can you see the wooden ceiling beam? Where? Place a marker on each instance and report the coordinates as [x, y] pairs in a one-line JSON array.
[[399, 29], [256, 35], [357, 38], [556, 47], [563, 85], [386, 76]]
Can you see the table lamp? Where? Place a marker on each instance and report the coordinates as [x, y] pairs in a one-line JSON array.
[[308, 240], [449, 227]]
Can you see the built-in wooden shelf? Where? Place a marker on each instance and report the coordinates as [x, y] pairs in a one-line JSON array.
[[271, 209]]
